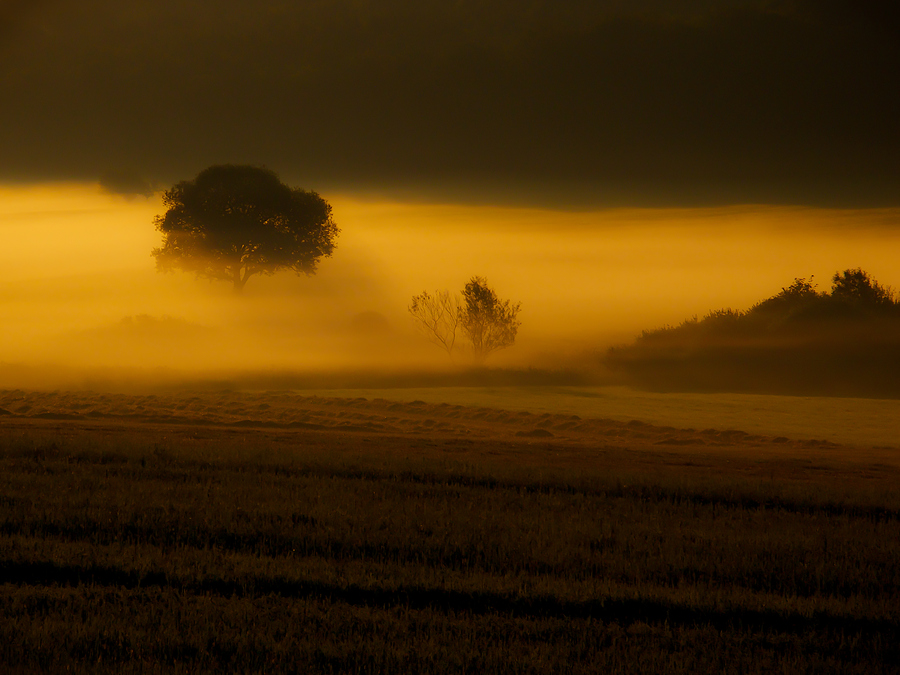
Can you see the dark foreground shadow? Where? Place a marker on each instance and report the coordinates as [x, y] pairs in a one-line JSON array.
[[623, 611]]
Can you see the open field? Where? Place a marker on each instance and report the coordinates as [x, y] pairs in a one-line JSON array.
[[848, 421], [279, 532]]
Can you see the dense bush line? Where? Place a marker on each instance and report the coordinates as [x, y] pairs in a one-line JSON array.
[[799, 341]]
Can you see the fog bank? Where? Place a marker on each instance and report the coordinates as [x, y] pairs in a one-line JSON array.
[[80, 291]]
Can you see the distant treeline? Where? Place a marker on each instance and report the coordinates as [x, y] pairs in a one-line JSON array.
[[845, 342]]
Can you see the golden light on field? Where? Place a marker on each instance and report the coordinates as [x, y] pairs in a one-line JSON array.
[[79, 284]]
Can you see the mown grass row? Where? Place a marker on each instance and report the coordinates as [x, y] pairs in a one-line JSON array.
[[177, 556]]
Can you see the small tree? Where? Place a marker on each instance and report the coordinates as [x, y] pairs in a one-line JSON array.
[[437, 317], [232, 222], [487, 322], [856, 286], [801, 289]]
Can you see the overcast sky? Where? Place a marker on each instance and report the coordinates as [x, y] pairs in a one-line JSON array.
[[545, 102]]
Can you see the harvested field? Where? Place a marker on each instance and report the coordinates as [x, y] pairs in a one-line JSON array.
[[279, 532]]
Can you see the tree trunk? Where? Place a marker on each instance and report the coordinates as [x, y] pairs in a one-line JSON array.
[[238, 282]]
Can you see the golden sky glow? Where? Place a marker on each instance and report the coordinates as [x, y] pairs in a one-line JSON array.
[[77, 261]]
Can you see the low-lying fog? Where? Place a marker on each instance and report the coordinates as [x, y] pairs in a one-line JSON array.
[[79, 291]]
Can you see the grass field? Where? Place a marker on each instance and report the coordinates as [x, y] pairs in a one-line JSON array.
[[849, 421], [277, 532]]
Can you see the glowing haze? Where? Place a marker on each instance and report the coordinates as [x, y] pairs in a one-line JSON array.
[[594, 159], [80, 288]]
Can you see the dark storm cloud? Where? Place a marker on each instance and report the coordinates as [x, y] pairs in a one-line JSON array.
[[554, 102], [128, 183]]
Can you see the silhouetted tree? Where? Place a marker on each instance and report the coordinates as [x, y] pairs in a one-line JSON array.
[[232, 222], [489, 322], [801, 291], [437, 317], [486, 321], [798, 302], [856, 286]]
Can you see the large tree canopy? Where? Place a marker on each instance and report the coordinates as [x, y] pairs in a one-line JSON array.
[[232, 222]]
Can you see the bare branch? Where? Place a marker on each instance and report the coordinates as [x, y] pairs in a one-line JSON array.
[[437, 317]]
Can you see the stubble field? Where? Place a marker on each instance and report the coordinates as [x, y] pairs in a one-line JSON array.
[[278, 532]]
